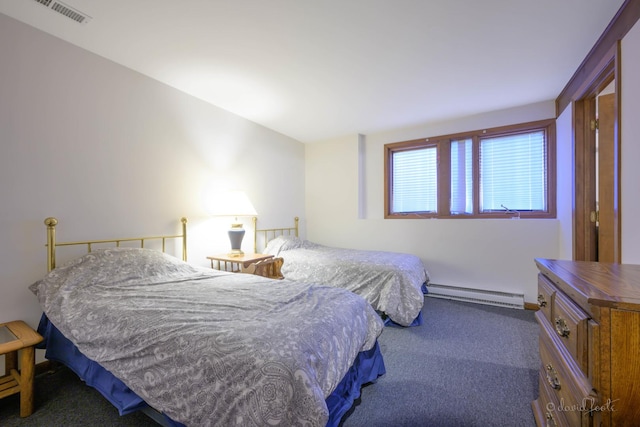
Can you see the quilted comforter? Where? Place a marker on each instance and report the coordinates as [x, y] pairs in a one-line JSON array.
[[391, 282], [208, 347]]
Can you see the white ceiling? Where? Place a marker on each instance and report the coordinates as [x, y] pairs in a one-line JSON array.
[[318, 69]]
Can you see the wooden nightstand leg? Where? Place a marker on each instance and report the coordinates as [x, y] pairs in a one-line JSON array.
[[27, 373]]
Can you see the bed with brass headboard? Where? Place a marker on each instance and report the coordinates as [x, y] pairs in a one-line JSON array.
[[196, 346], [393, 283]]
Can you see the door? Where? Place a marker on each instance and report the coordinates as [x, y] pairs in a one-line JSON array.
[[606, 165]]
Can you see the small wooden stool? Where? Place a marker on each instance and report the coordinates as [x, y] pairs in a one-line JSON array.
[[18, 336]]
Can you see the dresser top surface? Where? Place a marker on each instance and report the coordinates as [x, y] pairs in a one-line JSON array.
[[613, 285]]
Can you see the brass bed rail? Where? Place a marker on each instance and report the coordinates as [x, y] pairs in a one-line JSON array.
[[52, 244], [267, 233]]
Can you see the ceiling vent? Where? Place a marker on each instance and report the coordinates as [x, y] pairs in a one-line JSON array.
[[66, 10]]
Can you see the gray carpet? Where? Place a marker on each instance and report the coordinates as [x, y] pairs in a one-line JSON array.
[[467, 365]]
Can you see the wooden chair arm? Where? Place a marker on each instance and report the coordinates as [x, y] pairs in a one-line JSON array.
[[270, 268]]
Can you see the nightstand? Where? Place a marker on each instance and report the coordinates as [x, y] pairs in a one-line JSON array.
[[18, 336], [226, 262]]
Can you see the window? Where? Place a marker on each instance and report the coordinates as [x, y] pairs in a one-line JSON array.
[[461, 177], [416, 180], [493, 173]]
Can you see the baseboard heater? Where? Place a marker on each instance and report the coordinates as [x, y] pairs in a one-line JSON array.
[[480, 296]]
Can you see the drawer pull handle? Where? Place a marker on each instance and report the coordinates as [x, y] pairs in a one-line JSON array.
[[562, 328], [551, 422], [552, 377], [541, 301]]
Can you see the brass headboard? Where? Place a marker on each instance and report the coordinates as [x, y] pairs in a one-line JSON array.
[[52, 244], [270, 233]]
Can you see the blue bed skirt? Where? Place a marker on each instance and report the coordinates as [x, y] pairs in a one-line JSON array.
[[367, 367]]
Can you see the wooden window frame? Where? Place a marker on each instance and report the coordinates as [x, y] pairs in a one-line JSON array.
[[443, 144]]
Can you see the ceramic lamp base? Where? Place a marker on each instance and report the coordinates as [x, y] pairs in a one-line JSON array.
[[236, 234]]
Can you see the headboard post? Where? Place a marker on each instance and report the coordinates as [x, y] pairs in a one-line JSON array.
[[183, 220], [51, 223], [255, 233], [295, 220]]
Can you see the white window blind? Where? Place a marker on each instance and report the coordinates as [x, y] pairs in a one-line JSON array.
[[415, 180], [513, 172], [461, 177]]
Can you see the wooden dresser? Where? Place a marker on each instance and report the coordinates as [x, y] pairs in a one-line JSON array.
[[589, 344]]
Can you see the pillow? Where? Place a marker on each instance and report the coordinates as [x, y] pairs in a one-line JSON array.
[[129, 266], [283, 243]]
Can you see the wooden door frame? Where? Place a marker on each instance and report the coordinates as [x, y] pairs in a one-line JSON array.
[[584, 201], [600, 64], [584, 141]]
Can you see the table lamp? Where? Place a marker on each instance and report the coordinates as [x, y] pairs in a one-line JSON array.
[[236, 204]]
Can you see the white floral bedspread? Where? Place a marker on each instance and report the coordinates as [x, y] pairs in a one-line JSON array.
[[391, 282], [208, 347]]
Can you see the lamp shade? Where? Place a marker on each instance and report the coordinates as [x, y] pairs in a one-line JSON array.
[[231, 203]]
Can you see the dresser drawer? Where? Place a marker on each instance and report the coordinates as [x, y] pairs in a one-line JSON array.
[[567, 389], [546, 294], [549, 413], [570, 325]]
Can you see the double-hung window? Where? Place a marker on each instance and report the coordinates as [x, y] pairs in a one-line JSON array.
[[501, 172]]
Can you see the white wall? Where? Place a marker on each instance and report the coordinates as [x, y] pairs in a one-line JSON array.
[[630, 146], [490, 254], [112, 153], [565, 176]]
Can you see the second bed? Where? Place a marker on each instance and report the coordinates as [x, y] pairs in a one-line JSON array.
[[393, 283]]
